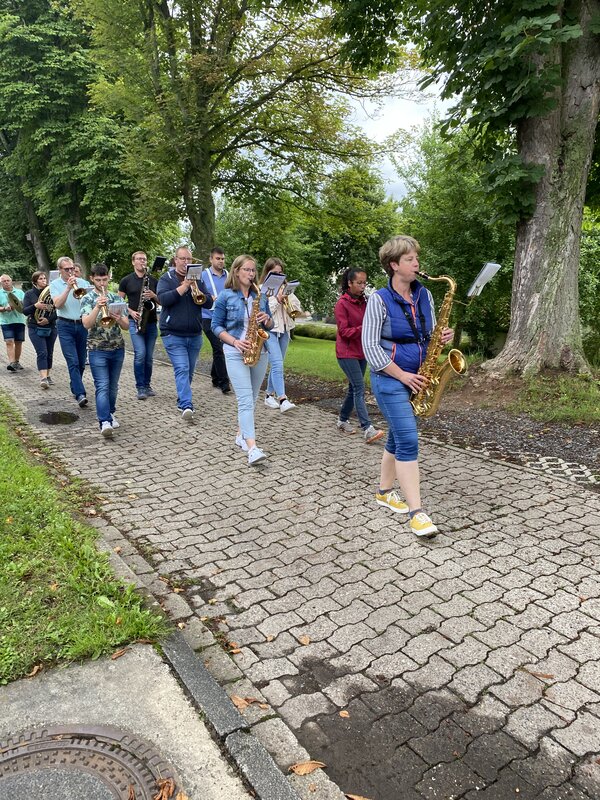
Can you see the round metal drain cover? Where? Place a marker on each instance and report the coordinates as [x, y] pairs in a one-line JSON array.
[[59, 417], [75, 762]]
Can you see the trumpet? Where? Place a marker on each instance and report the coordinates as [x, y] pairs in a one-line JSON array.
[[79, 292], [105, 319], [198, 296], [290, 310]]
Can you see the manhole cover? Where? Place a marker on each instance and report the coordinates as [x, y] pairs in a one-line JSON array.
[[59, 417], [71, 763]]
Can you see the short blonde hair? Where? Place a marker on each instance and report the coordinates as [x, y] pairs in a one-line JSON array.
[[232, 281], [394, 249]]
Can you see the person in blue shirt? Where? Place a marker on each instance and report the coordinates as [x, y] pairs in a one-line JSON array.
[[214, 277], [12, 322], [71, 333], [231, 316], [181, 326]]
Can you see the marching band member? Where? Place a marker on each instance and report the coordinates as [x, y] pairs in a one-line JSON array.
[[396, 333], [71, 333], [214, 277], [234, 312], [106, 346], [12, 322], [181, 326], [41, 326], [349, 313], [140, 287], [279, 339]]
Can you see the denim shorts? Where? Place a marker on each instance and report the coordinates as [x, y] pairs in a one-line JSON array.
[[14, 330], [393, 399]]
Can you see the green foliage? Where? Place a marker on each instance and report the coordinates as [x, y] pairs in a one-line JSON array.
[[589, 287], [448, 210], [58, 597]]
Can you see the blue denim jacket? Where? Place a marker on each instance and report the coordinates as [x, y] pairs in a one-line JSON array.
[[229, 312]]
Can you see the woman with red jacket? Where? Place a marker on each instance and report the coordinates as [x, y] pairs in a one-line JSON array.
[[349, 312]]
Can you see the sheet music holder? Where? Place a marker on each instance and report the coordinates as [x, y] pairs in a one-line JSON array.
[[118, 308], [194, 272], [273, 283], [158, 264], [291, 287], [53, 275], [487, 273]]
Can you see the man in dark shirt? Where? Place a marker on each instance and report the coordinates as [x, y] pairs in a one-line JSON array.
[[140, 286]]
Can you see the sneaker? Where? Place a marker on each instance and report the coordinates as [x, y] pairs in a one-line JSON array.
[[142, 394], [345, 426], [372, 434], [106, 430], [241, 442], [44, 383], [421, 525], [114, 422], [226, 389], [82, 400], [271, 402], [11, 367], [285, 405], [17, 366], [255, 456], [149, 391], [188, 414], [392, 500], [50, 381]]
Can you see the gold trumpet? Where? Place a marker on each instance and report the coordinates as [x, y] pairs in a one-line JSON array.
[[106, 320], [198, 295], [79, 292]]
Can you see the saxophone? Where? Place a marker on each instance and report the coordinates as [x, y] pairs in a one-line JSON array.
[[426, 401], [145, 306], [255, 334]]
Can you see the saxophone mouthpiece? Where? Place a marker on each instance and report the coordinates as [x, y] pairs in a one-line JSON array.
[[423, 275]]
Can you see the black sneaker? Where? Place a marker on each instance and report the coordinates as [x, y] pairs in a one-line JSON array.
[[11, 368], [226, 389], [150, 391], [17, 366], [82, 401]]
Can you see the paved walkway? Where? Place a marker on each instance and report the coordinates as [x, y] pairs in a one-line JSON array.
[[469, 666]]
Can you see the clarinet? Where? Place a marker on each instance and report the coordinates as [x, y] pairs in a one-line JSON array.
[[145, 306]]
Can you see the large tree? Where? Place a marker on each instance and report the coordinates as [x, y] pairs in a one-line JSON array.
[[227, 95], [525, 75]]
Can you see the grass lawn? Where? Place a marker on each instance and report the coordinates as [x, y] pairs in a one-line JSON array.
[[58, 597], [559, 398]]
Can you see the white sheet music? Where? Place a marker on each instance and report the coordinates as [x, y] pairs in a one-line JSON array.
[[487, 273]]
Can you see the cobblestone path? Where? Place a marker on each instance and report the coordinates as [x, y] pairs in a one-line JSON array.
[[469, 666]]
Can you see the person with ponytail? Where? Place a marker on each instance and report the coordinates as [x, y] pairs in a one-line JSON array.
[[349, 313]]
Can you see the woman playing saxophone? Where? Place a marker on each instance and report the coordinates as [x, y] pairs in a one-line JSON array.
[[397, 330], [239, 317]]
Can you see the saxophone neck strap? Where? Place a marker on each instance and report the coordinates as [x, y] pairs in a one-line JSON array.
[[419, 338]]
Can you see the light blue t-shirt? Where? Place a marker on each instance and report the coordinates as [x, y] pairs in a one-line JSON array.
[[72, 307], [11, 317], [215, 285]]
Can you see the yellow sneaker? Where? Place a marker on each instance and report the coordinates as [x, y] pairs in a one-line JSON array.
[[392, 500], [421, 525]]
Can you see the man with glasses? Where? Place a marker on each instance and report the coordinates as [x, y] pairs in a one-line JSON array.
[[71, 333], [132, 287], [181, 326]]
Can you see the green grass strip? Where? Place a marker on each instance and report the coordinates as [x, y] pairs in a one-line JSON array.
[[58, 597]]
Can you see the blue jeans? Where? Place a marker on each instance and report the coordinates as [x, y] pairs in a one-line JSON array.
[[393, 399], [183, 352], [43, 346], [106, 369], [246, 382], [73, 343], [354, 369], [277, 348], [143, 349]]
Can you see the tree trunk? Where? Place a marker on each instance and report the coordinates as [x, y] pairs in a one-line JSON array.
[[36, 238], [73, 228], [200, 207], [544, 328]]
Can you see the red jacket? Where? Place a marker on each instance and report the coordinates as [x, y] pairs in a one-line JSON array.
[[349, 313]]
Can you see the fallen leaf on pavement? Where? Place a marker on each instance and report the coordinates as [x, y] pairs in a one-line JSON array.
[[306, 767], [119, 653], [236, 651], [182, 796], [270, 638], [312, 787], [239, 702], [264, 706], [545, 675], [304, 640], [356, 797], [181, 625], [344, 714], [35, 670], [212, 602], [178, 590], [116, 550], [166, 788]]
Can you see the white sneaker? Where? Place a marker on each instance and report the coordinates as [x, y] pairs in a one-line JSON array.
[[188, 414], [106, 430], [241, 442], [286, 405], [114, 422], [271, 401], [345, 426], [255, 456]]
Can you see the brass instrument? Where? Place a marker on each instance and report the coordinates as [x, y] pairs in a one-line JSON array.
[[145, 306], [255, 334], [290, 310], [14, 302], [105, 318], [79, 292], [44, 313], [197, 295], [426, 401]]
